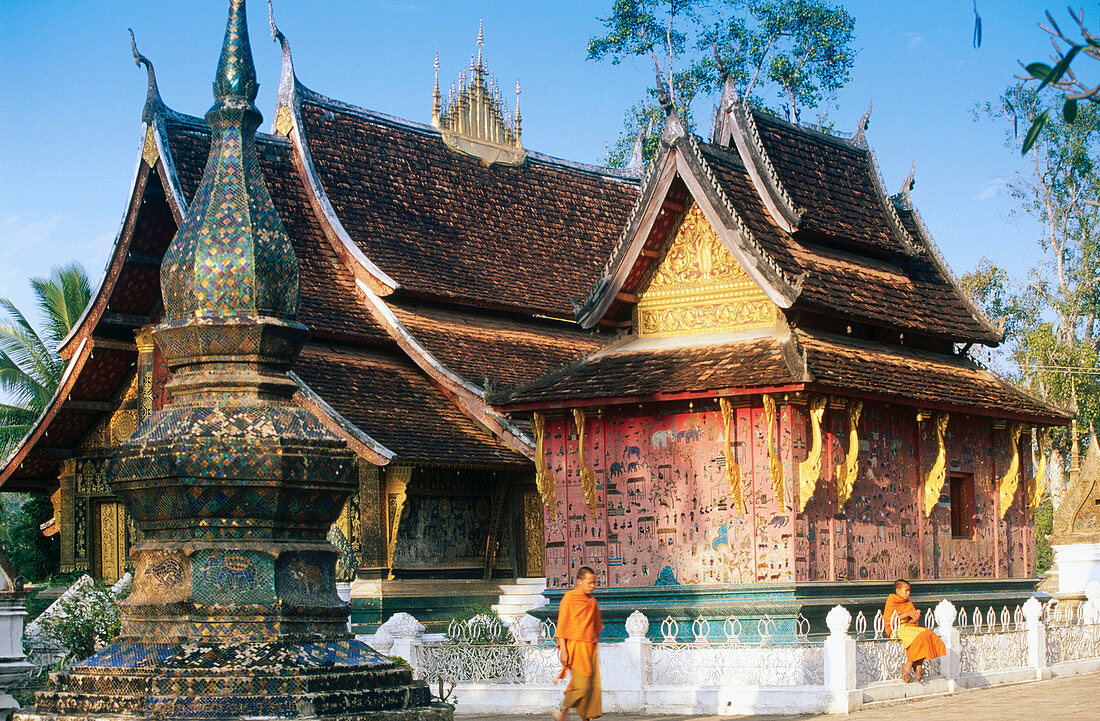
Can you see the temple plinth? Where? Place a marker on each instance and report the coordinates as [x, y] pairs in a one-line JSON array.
[[232, 486]]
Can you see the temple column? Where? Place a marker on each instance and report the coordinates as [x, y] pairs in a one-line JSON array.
[[373, 540], [397, 484], [67, 514]]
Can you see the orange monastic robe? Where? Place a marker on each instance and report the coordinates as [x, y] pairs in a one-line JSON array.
[[920, 643], [579, 624]]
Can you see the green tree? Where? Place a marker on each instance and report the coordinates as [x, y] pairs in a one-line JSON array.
[[1052, 337], [30, 368], [796, 52], [30, 371], [1060, 73]]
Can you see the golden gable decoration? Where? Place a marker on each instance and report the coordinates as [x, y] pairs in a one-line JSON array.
[[699, 287]]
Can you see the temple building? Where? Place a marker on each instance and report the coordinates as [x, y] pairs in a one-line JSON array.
[[742, 372]]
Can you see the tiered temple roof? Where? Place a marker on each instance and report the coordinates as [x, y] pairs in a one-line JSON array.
[[437, 281]]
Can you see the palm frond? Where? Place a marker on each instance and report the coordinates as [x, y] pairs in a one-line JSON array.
[[24, 348], [62, 296]]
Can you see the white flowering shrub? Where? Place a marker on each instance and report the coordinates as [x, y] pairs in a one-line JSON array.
[[83, 623]]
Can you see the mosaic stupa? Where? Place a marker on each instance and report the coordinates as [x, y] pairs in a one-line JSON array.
[[232, 487]]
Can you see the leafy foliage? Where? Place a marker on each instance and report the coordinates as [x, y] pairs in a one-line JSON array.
[[85, 623], [1071, 89], [1051, 316], [30, 368], [797, 53], [35, 556]]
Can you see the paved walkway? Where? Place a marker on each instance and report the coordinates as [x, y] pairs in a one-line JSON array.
[[1070, 698]]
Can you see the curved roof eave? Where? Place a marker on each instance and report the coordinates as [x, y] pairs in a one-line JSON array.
[[374, 451], [469, 397], [997, 334], [362, 267]]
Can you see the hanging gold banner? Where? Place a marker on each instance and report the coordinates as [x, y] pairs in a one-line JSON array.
[[846, 473], [1011, 478], [544, 480], [809, 470], [588, 477], [733, 471], [1039, 482], [937, 475], [775, 466]]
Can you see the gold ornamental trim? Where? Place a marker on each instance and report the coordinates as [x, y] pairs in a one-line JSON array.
[[587, 476], [284, 122], [733, 471], [775, 466], [544, 480], [847, 472], [699, 287], [1039, 480], [397, 487], [937, 474], [809, 470], [149, 153], [1011, 478]]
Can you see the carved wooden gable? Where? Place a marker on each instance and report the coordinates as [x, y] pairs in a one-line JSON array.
[[699, 287]]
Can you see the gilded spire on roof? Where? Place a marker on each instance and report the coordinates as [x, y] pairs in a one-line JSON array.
[[232, 257], [474, 119]]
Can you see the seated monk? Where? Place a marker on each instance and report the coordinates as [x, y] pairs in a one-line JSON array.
[[920, 643], [579, 626]]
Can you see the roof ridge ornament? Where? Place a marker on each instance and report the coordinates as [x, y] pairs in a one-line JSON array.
[[903, 199], [284, 117], [153, 101], [674, 128], [636, 166], [859, 138], [474, 119]]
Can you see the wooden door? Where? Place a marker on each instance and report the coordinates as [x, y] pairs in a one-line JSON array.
[[534, 540]]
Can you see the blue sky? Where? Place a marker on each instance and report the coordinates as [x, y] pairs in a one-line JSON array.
[[71, 100]]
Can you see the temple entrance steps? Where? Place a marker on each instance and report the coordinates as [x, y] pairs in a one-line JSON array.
[[520, 597]]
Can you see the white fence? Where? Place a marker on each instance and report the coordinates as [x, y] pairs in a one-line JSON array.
[[730, 668]]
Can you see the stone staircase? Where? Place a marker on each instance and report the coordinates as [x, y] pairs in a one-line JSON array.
[[520, 597]]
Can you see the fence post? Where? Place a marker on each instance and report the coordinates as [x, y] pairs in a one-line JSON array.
[[840, 663], [635, 671], [1036, 637], [407, 634], [13, 664], [951, 665]]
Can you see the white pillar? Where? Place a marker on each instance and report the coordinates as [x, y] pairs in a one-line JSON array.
[[840, 663], [1036, 637], [951, 664], [13, 664], [407, 634], [635, 660]]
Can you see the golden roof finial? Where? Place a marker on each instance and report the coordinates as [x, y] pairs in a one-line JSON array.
[[436, 99], [474, 119]]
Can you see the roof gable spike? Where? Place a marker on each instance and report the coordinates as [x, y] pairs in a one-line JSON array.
[[674, 128], [859, 139], [153, 102], [436, 99], [902, 200], [288, 81], [636, 166]]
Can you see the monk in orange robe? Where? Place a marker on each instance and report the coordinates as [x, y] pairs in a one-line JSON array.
[[921, 644], [579, 626]]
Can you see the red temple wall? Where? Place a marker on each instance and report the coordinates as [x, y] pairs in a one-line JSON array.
[[663, 501]]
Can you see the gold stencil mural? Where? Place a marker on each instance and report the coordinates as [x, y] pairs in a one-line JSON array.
[[698, 287]]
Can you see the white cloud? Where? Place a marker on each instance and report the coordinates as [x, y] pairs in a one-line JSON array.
[[990, 189], [915, 40]]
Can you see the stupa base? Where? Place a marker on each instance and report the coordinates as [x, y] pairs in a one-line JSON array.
[[333, 680]]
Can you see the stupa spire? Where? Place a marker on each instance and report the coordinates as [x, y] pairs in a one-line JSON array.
[[232, 257]]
